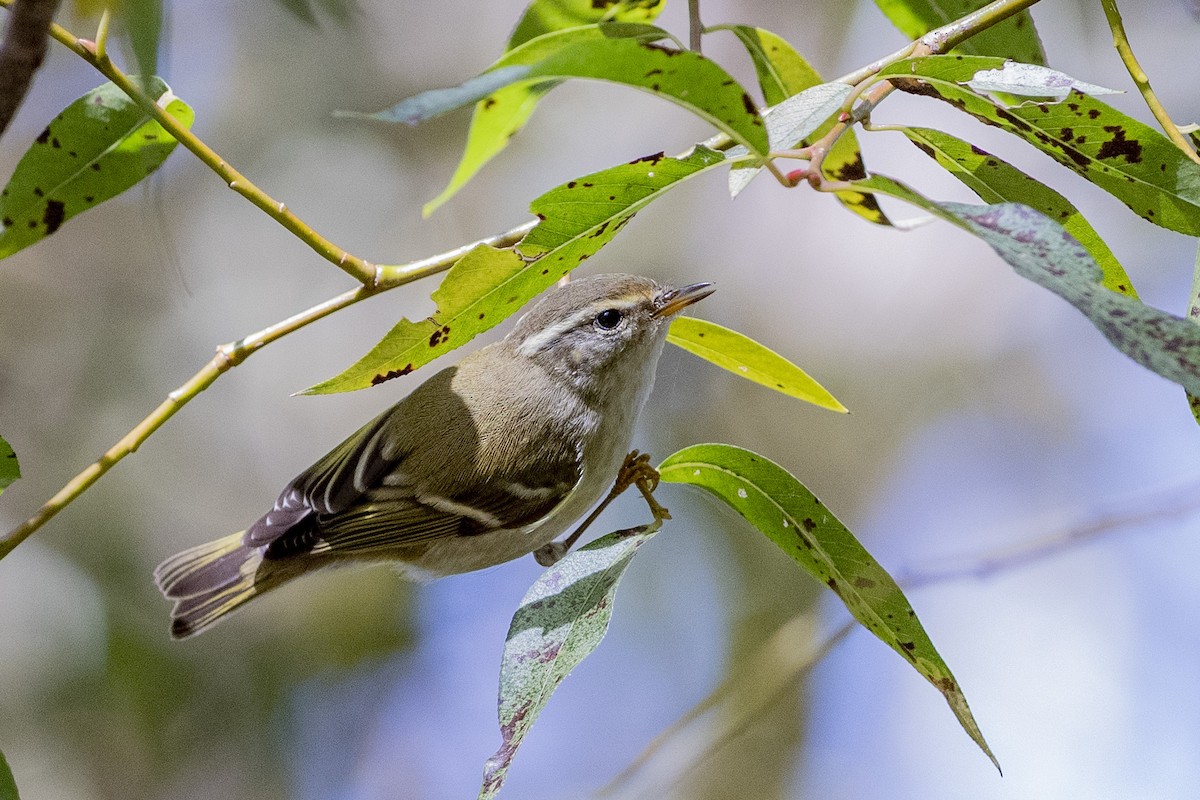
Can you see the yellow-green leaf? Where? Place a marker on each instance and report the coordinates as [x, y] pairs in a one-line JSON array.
[[9, 469], [99, 146], [746, 358], [1014, 38], [784, 510]]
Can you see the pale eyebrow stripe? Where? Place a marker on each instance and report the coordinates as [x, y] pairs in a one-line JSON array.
[[538, 341]]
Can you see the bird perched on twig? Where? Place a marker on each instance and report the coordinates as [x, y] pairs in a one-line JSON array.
[[482, 463]]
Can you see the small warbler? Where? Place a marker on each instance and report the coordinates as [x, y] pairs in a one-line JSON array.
[[482, 463]]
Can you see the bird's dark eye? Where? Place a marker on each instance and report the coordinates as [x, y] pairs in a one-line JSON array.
[[608, 319]]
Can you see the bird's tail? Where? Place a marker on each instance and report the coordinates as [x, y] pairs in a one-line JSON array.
[[209, 581]]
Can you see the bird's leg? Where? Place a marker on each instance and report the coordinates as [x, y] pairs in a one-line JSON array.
[[636, 471]]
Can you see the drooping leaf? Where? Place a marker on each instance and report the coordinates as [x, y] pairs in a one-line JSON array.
[[340, 11], [997, 181], [772, 500], [99, 146], [1032, 80], [561, 620], [10, 470], [499, 117], [487, 285], [745, 357], [1014, 38], [1130, 160], [782, 72], [685, 78], [546, 16], [1038, 248], [8, 784]]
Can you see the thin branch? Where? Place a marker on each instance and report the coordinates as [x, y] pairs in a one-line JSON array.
[[229, 356], [1121, 43], [790, 654], [22, 52], [695, 26], [360, 269]]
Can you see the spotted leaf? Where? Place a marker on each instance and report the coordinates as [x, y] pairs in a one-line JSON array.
[[997, 181], [788, 514], [99, 146], [561, 620], [9, 469], [546, 16], [1127, 158], [488, 284]]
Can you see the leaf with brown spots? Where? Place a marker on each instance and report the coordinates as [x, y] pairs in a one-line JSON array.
[[1127, 158], [488, 285], [1014, 38], [99, 146], [1194, 315], [561, 620], [997, 181], [782, 73], [9, 469], [546, 16], [789, 515]]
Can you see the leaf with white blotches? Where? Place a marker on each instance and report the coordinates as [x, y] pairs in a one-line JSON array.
[[1032, 80], [561, 620], [748, 359], [784, 510], [99, 146], [1127, 158]]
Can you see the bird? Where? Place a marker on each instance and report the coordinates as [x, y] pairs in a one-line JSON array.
[[484, 462]]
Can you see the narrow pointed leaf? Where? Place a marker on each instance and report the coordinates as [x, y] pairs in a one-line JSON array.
[[1032, 80], [99, 146], [782, 72], [1039, 249], [435, 102], [746, 358], [1014, 38], [8, 784], [10, 470], [789, 515], [561, 620], [488, 285], [546, 16], [144, 21], [1127, 158], [997, 181]]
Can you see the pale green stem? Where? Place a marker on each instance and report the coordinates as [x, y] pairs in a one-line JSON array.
[[1121, 43]]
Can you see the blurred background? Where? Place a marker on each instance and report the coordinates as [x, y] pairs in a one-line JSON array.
[[986, 414]]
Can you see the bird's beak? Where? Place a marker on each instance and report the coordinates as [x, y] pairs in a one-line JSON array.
[[676, 300]]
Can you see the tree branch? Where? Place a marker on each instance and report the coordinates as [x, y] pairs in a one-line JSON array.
[[22, 52]]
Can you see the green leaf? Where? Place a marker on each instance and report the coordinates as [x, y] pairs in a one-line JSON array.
[[99, 146], [745, 357], [789, 515], [8, 784], [435, 102], [561, 620], [547, 22], [546, 16], [782, 72], [1130, 160], [1014, 38], [1038, 248], [997, 181], [10, 470], [487, 285], [340, 11]]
